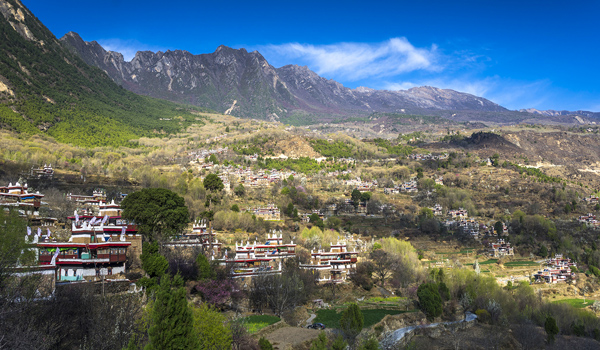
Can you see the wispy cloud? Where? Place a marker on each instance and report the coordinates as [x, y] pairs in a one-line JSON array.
[[127, 47], [356, 61]]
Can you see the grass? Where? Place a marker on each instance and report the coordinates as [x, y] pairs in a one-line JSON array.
[[331, 318], [255, 323], [464, 251], [522, 263], [576, 303], [489, 262], [387, 300]]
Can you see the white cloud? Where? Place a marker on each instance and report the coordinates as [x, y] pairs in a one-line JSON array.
[[127, 47], [356, 61]]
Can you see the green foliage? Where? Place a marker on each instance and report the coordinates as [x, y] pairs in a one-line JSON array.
[[172, 320], [370, 344], [320, 343], [397, 149], [316, 220], [365, 196], [264, 344], [213, 183], [444, 290], [337, 149], [13, 248], [158, 212], [543, 251], [205, 269], [239, 190], [255, 323], [356, 197], [235, 208], [213, 158], [211, 328], [153, 262], [430, 300], [339, 343], [352, 321], [551, 328]]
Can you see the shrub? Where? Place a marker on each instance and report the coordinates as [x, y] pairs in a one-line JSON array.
[[551, 328], [483, 315], [430, 300]]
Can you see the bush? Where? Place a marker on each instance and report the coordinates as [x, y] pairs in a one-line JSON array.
[[483, 315], [551, 328], [352, 321], [430, 300], [264, 344]]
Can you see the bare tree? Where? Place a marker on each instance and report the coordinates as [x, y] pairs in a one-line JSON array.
[[383, 265]]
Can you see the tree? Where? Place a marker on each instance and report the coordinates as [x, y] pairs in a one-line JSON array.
[[370, 344], [235, 208], [172, 320], [264, 344], [383, 265], [430, 300], [153, 262], [211, 328], [551, 328], [316, 220], [213, 183], [239, 190], [213, 159], [356, 197], [339, 343], [320, 343], [158, 212], [365, 196], [227, 129], [12, 246], [352, 322], [499, 227], [205, 269]]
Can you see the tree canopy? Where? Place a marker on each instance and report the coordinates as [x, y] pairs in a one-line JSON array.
[[158, 212], [213, 183]]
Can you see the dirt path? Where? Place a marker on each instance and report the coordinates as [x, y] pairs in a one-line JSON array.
[[287, 337], [310, 319]]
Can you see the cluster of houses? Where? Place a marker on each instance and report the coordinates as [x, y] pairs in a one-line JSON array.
[[408, 186], [45, 172], [27, 203], [591, 200], [251, 260], [589, 219], [420, 156], [269, 213], [361, 185], [556, 270], [202, 154], [249, 177], [500, 249], [332, 266]]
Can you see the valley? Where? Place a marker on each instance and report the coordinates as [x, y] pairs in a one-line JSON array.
[[215, 201]]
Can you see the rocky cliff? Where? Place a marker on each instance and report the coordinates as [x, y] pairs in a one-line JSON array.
[[244, 84]]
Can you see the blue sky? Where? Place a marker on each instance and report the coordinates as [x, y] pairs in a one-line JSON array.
[[520, 54]]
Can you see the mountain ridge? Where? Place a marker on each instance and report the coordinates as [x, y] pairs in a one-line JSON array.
[[215, 80]]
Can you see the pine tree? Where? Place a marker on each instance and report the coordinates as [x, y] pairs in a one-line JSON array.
[[352, 321], [320, 343], [172, 320]]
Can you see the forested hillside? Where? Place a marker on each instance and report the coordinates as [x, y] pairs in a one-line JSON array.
[[46, 88]]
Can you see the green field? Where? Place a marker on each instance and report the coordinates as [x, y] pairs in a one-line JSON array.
[[464, 251], [488, 262], [255, 323], [522, 263], [576, 303], [331, 318]]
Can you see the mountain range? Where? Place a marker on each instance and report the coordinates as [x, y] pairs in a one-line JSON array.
[[244, 84]]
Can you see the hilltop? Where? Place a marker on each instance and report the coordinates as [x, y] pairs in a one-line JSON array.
[[45, 88]]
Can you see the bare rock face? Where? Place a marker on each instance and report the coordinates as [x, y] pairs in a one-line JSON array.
[[246, 85]]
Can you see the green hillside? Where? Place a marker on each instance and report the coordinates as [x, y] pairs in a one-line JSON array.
[[52, 90]]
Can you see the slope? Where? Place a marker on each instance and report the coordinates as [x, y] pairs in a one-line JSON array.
[[46, 88]]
